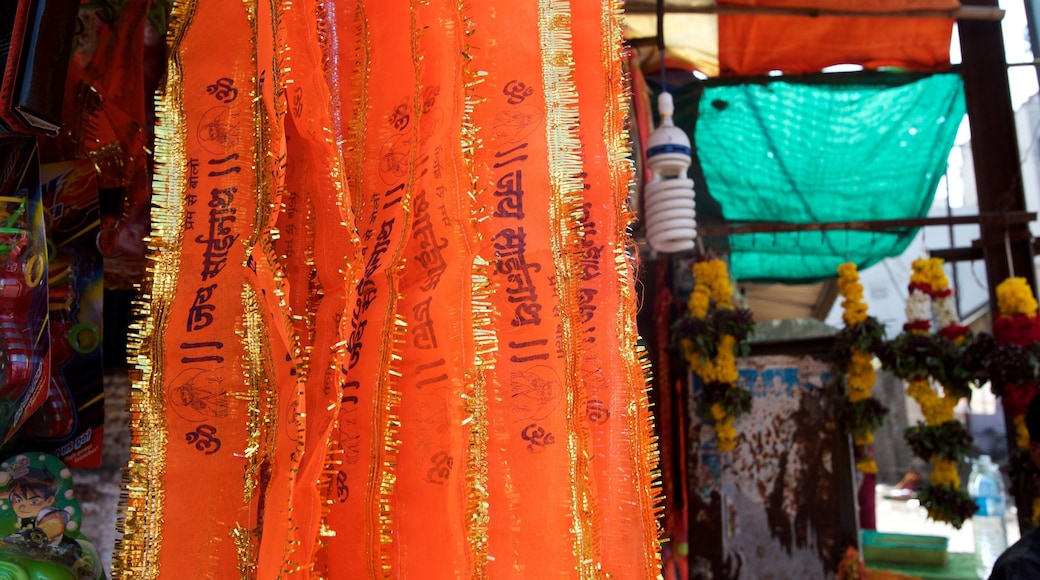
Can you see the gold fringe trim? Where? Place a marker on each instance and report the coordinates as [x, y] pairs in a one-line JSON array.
[[383, 473], [355, 137], [565, 209], [485, 339], [257, 369], [646, 456], [391, 402], [143, 496], [644, 453], [246, 544], [476, 397], [388, 396], [271, 414], [261, 136]]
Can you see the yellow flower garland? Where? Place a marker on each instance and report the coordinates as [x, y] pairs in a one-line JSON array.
[[852, 291], [725, 433], [929, 271], [1014, 296], [944, 472], [711, 280], [866, 439], [937, 408], [860, 374]]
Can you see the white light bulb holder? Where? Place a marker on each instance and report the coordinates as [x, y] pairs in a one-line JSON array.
[[669, 209], [668, 147]]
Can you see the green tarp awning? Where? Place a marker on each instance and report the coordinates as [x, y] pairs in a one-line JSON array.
[[858, 147]]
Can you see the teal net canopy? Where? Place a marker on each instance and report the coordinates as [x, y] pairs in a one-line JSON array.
[[826, 148]]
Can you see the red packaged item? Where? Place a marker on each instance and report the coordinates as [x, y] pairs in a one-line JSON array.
[[24, 340], [70, 422]]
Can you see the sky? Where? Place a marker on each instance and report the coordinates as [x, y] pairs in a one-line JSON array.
[[1022, 79]]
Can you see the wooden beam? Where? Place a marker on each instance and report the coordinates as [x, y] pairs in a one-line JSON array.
[[825, 301], [972, 254], [1000, 219], [958, 254]]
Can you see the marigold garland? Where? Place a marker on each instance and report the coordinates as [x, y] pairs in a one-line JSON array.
[[1013, 376], [919, 357], [1014, 296], [944, 472], [1013, 360], [854, 359], [712, 335]]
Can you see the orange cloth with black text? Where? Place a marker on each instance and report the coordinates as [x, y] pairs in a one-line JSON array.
[[389, 328]]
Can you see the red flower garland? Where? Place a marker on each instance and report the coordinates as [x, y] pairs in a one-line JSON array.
[[1017, 330]]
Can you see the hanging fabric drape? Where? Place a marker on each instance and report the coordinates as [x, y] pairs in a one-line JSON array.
[[755, 37], [755, 44], [389, 329]]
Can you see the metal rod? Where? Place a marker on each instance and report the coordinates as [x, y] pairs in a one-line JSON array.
[[962, 13], [660, 43], [1032, 22], [868, 226]]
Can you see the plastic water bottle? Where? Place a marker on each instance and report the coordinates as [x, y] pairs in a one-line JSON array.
[[986, 486]]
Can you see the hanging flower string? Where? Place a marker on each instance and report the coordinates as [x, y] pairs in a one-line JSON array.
[[921, 357], [853, 354], [1013, 375], [712, 334], [1017, 332]]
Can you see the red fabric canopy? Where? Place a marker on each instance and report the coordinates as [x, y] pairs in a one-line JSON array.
[[755, 44]]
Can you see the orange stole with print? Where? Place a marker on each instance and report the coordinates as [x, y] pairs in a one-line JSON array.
[[430, 491], [536, 526], [368, 423], [323, 264], [616, 407], [190, 416]]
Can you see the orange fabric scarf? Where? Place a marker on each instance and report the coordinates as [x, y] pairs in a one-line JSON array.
[[389, 329]]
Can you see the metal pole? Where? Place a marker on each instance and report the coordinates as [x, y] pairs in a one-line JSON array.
[[994, 145]]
